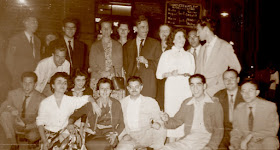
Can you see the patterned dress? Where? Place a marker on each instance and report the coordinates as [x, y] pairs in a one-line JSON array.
[[117, 94]]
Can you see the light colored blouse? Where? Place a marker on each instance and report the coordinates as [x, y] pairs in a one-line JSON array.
[[55, 118], [175, 59]]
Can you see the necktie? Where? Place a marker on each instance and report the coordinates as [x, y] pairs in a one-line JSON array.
[[231, 108], [251, 119], [194, 53], [32, 46], [70, 52], [24, 107], [140, 49]]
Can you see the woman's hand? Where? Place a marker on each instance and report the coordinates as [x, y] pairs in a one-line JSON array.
[[71, 128], [95, 108]]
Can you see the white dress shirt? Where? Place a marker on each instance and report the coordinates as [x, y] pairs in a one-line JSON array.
[[197, 49], [55, 118], [138, 42], [209, 47], [46, 68], [133, 109]]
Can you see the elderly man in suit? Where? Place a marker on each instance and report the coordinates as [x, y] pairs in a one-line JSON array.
[[202, 117], [19, 111], [229, 97], [215, 56], [23, 52], [255, 121], [141, 56], [77, 53], [143, 126]]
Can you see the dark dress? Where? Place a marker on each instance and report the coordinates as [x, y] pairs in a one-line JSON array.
[[111, 117]]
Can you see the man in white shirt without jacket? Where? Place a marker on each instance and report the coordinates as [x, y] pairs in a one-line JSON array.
[[49, 66], [143, 126]]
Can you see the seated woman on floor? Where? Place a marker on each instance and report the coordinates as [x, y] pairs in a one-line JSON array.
[[54, 112], [80, 82], [108, 125]]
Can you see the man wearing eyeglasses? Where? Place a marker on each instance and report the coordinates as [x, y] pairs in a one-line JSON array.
[[77, 53]]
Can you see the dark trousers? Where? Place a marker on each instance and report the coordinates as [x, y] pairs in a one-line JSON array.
[[160, 93]]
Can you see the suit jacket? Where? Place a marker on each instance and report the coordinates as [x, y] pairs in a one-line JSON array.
[[223, 98], [19, 56], [221, 57], [152, 52], [266, 121], [213, 120], [97, 58], [79, 55], [15, 100]]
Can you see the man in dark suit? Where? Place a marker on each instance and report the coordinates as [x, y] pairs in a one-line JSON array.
[[141, 56], [23, 52], [77, 53], [19, 111], [229, 97]]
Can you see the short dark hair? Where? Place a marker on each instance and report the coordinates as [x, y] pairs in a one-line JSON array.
[[171, 36], [134, 78], [59, 47], [70, 20], [200, 76], [139, 19], [124, 22], [231, 70], [80, 72], [104, 80], [29, 74], [209, 22], [57, 75], [251, 81]]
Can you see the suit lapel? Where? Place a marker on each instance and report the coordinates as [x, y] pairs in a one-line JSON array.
[[238, 98]]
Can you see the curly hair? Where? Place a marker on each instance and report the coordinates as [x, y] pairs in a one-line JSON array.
[[171, 36]]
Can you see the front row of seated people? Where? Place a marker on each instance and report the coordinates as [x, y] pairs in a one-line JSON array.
[[136, 121]]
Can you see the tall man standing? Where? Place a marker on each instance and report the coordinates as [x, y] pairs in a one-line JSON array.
[[215, 56], [23, 52], [77, 53], [141, 55]]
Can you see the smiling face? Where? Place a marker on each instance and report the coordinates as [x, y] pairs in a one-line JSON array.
[[59, 57], [69, 29], [179, 39], [60, 85], [123, 30], [80, 82], [142, 29], [104, 90], [134, 88], [249, 92], [193, 39], [230, 80], [197, 87], [28, 85]]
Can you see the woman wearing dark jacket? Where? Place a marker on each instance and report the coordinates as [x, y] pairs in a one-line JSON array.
[[108, 125]]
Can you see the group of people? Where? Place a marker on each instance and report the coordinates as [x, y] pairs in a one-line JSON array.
[[175, 98]]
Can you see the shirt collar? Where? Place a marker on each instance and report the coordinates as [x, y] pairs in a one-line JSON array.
[[138, 39], [28, 35], [234, 92], [68, 39], [206, 99]]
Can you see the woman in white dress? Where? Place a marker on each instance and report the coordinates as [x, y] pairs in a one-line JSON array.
[[176, 65]]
